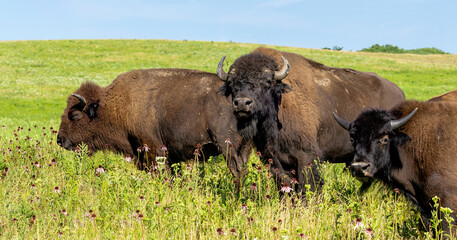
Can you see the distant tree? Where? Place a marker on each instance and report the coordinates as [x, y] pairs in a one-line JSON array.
[[427, 51], [336, 48], [388, 48]]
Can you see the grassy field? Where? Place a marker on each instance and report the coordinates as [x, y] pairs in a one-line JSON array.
[[47, 193]]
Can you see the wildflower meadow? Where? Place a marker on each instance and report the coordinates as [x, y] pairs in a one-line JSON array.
[[47, 192]]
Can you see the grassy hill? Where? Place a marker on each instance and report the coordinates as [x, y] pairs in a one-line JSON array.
[[40, 199]]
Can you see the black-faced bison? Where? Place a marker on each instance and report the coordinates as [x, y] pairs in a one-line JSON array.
[[408, 150], [282, 103], [176, 108]]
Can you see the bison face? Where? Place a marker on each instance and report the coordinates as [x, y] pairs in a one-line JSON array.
[[78, 123], [375, 139], [254, 82]]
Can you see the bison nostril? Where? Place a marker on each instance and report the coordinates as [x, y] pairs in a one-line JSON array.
[[235, 103], [248, 102], [360, 166]]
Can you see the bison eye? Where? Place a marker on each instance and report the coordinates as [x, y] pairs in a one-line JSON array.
[[352, 140], [75, 115], [384, 140]]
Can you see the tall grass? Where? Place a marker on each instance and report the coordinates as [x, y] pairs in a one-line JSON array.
[[47, 192]]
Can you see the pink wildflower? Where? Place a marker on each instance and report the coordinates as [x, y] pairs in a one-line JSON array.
[[99, 170], [286, 188], [368, 231], [254, 186], [145, 148]]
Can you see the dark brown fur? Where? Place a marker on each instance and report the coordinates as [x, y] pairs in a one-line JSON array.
[[176, 108], [302, 128]]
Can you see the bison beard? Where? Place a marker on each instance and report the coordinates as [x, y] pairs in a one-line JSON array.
[[247, 129]]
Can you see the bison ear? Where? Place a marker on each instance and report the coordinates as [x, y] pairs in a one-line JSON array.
[[224, 89], [92, 110], [400, 139], [283, 88]]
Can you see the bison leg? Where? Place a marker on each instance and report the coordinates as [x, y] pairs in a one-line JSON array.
[[236, 163], [308, 173]]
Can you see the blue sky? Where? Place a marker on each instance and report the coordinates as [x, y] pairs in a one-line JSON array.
[[351, 24]]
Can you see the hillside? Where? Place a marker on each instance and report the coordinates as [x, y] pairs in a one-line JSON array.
[[47, 192]]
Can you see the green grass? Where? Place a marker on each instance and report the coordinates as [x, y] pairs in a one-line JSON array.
[[37, 76]]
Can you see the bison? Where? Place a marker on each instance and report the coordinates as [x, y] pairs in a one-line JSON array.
[[176, 108], [281, 102], [449, 96], [410, 147]]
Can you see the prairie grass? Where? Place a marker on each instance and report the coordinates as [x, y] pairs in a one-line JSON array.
[[47, 192]]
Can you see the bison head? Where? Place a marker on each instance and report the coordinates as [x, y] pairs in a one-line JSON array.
[[255, 83], [78, 120], [375, 138]]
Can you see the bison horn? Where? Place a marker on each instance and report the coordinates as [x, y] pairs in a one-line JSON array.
[[281, 74], [220, 70], [395, 124], [343, 123], [81, 99]]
